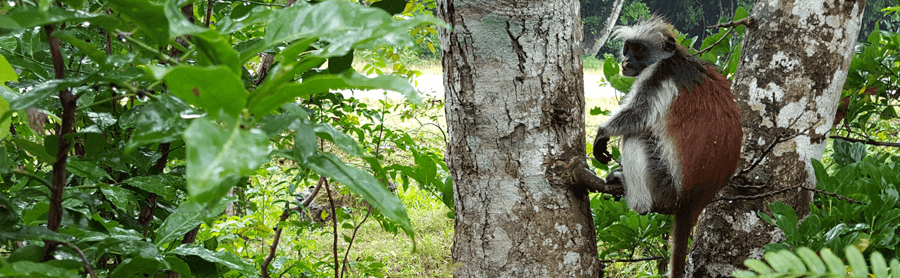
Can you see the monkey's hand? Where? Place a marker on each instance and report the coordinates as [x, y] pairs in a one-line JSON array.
[[600, 152]]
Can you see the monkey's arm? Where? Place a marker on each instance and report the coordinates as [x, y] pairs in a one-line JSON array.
[[625, 121]]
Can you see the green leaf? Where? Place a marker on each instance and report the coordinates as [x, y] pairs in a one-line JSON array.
[[895, 268], [340, 139], [6, 72], [812, 260], [192, 84], [364, 184], [188, 215], [226, 259], [89, 49], [216, 158], [7, 121], [305, 143], [38, 151], [879, 265], [835, 265], [758, 266], [37, 270], [159, 121], [857, 262], [123, 198], [30, 16], [178, 265], [136, 267], [326, 82], [148, 16], [162, 185], [87, 170]]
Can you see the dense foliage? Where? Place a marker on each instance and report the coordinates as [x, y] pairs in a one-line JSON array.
[[128, 125]]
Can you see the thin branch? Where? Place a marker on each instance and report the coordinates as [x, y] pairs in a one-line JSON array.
[[284, 215], [84, 260], [654, 258], [710, 47], [439, 128], [867, 141], [33, 176], [782, 190], [353, 237], [334, 222], [285, 271], [162, 56], [747, 21]]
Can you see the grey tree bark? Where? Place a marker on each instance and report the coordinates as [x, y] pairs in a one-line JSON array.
[[594, 42], [514, 109], [793, 66]]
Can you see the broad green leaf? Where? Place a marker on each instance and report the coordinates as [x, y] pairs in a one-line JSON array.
[[30, 16], [346, 143], [215, 156], [149, 16], [40, 92], [136, 267], [7, 121], [36, 270], [758, 266], [162, 185], [192, 84], [326, 82], [6, 72], [87, 170], [123, 198], [188, 215], [305, 143], [35, 150], [879, 265], [178, 265], [364, 184], [895, 268], [226, 259], [857, 262], [159, 121], [89, 49], [812, 260]]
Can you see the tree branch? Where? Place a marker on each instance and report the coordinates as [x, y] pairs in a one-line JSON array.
[[774, 192], [84, 260], [654, 258], [284, 215], [867, 141], [747, 21]]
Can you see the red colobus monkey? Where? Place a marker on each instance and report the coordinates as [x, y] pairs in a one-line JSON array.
[[681, 131]]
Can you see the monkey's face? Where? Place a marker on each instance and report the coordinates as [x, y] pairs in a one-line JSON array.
[[635, 57], [638, 54]]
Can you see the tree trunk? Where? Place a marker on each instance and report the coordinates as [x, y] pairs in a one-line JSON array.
[[793, 66], [514, 108], [594, 42]]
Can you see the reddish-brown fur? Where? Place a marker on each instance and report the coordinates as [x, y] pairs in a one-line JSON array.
[[706, 125]]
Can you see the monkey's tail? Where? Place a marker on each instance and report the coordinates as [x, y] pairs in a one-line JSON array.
[[681, 232]]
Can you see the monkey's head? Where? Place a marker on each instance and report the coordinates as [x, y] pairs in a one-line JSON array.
[[646, 43]]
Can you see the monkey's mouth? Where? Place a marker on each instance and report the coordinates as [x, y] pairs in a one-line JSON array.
[[630, 69]]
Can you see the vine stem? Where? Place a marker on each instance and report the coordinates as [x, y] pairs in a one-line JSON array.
[[337, 269]]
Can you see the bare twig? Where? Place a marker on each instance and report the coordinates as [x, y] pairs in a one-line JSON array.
[[337, 270], [654, 258], [747, 21], [774, 192], [710, 47], [352, 237], [284, 215], [84, 260], [866, 141]]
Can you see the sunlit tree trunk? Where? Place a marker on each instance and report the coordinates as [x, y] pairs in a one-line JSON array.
[[793, 66], [514, 109], [594, 41]]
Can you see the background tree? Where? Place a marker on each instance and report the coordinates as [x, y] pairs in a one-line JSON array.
[[598, 23], [788, 94], [515, 109]]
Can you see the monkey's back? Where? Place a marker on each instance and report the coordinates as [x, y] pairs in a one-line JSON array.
[[705, 124]]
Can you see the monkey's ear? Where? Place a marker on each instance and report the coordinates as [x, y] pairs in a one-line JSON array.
[[669, 45]]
